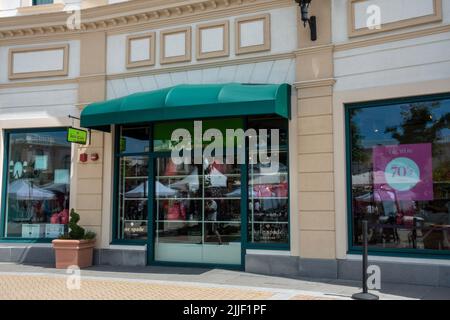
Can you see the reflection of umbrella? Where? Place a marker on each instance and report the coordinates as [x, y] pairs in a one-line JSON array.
[[191, 180], [23, 190]]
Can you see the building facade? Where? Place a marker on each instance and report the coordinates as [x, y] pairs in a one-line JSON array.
[[362, 112]]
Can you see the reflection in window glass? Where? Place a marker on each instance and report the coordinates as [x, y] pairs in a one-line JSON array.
[[197, 207], [198, 212], [38, 184], [400, 167], [133, 198], [134, 139], [268, 191]]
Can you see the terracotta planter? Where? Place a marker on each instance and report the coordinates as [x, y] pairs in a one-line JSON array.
[[73, 253]]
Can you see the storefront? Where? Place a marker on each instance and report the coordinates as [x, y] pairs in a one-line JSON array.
[[362, 117], [213, 206]]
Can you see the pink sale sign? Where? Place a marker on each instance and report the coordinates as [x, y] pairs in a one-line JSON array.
[[403, 172]]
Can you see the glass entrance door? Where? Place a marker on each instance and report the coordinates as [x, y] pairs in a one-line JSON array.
[[197, 212]]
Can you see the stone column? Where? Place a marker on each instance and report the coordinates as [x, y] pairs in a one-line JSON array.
[[89, 175], [314, 86]]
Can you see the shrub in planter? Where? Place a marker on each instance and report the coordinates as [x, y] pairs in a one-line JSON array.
[[76, 248]]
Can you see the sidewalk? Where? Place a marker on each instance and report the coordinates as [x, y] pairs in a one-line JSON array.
[[101, 282]]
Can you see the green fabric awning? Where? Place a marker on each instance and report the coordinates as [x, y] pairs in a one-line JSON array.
[[189, 102]]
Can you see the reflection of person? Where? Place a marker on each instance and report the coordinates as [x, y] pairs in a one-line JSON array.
[[38, 212], [211, 210]]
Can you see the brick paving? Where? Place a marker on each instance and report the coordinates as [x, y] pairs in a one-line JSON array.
[[42, 287]]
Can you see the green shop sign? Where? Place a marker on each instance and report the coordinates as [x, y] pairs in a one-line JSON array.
[[77, 136]]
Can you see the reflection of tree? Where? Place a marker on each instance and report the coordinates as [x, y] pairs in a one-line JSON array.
[[358, 152], [420, 126]]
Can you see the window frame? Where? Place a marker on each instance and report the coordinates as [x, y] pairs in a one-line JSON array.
[[152, 156], [4, 190], [391, 252]]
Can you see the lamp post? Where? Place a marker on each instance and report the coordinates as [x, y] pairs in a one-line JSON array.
[[306, 19]]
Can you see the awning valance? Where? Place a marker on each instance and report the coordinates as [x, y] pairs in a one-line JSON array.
[[189, 102]]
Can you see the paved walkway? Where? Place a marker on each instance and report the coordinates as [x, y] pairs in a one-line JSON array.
[[156, 283]]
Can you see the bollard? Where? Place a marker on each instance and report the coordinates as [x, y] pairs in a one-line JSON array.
[[365, 295]]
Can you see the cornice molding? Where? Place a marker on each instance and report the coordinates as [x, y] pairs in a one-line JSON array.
[[103, 77], [128, 16], [329, 82], [204, 65], [38, 83], [391, 38], [314, 50]]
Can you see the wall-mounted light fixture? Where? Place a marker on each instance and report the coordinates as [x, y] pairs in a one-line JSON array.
[[306, 19]]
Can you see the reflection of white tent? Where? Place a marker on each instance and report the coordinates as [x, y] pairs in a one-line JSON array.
[[274, 178], [370, 196], [237, 192], [367, 178], [217, 179], [265, 174], [57, 187], [163, 191], [191, 181], [23, 190], [141, 191]]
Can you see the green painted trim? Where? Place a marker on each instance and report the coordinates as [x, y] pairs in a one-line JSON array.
[[268, 246], [348, 162], [24, 240], [288, 164], [199, 265], [115, 208], [410, 253], [128, 242], [395, 101], [6, 145], [151, 225], [5, 168], [244, 203]]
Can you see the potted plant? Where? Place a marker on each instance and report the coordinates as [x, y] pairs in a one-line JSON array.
[[75, 248]]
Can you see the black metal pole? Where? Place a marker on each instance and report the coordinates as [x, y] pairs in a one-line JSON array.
[[365, 256], [365, 295]]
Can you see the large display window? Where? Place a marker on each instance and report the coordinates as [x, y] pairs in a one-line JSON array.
[[205, 210], [37, 184], [399, 175]]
